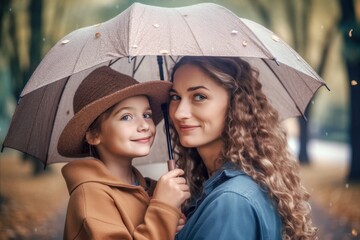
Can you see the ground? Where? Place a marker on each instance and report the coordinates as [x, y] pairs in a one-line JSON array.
[[34, 207]]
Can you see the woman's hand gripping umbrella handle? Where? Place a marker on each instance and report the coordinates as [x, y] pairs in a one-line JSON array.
[[170, 162]]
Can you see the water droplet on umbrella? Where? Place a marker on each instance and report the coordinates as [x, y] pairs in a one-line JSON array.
[[353, 83], [350, 32], [97, 35], [156, 25], [244, 43], [234, 32], [297, 57], [164, 51], [63, 42], [275, 38], [134, 46]]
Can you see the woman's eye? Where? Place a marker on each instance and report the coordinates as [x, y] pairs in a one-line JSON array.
[[126, 117], [148, 115], [174, 97], [199, 97]]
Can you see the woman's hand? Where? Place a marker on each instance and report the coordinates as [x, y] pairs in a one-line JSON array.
[[172, 189]]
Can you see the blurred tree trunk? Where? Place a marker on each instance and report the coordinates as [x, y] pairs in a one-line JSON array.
[[298, 15], [35, 17], [351, 33], [298, 26]]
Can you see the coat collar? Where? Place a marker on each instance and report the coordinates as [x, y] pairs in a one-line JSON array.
[[81, 171]]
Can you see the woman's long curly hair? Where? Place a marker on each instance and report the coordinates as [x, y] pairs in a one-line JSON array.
[[254, 141]]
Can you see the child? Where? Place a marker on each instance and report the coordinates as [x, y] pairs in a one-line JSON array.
[[114, 121]]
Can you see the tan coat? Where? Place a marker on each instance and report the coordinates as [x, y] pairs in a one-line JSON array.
[[102, 207]]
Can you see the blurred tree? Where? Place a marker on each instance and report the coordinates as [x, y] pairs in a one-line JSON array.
[[35, 16], [350, 27], [19, 75], [298, 15]]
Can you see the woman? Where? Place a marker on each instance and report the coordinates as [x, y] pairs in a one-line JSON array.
[[114, 122], [244, 183]]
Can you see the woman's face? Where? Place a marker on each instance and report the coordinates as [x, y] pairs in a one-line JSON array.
[[197, 108], [129, 131]]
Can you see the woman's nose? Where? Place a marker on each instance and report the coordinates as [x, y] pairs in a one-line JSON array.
[[182, 110]]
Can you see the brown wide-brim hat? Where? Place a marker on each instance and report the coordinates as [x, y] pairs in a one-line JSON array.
[[100, 90]]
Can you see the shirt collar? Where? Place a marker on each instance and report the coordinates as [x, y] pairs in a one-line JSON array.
[[227, 171]]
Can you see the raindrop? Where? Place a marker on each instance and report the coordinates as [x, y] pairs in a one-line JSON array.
[[134, 46], [10, 9], [35, 230], [312, 102], [117, 7], [97, 35], [44, 39], [63, 42], [0, 129], [350, 32], [164, 51], [244, 43], [353, 83], [275, 38], [326, 134], [96, 25], [234, 32], [347, 185], [156, 25], [297, 57]]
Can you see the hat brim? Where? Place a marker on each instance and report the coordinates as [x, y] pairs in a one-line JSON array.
[[70, 143]]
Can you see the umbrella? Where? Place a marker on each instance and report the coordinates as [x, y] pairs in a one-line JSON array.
[[144, 42]]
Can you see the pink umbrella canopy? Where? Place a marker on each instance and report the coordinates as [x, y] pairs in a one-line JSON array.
[[144, 42]]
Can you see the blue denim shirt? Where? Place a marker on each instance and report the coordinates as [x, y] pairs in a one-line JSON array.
[[233, 206]]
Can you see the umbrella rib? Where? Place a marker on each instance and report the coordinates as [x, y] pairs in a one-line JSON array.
[[258, 43], [192, 33], [298, 108], [53, 122], [111, 62], [135, 68]]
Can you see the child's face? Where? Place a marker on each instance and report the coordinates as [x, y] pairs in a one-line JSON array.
[[129, 131]]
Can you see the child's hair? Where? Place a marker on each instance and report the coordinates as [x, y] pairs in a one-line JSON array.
[[95, 128]]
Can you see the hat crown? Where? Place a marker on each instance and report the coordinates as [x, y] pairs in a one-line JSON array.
[[98, 84]]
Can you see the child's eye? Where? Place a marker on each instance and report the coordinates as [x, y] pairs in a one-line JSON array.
[[174, 97], [199, 97], [148, 115], [126, 117]]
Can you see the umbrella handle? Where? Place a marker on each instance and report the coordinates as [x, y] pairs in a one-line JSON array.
[[171, 164]]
